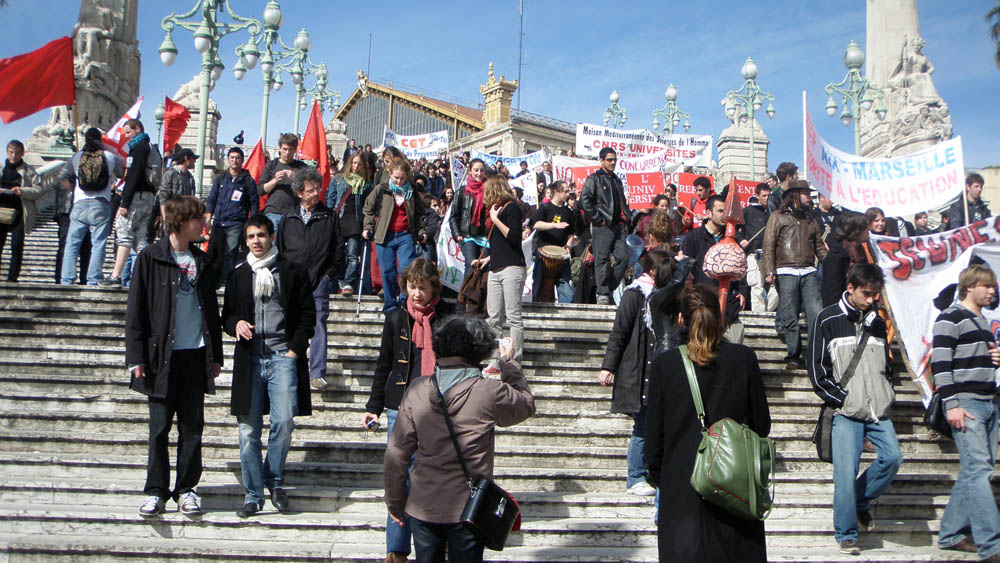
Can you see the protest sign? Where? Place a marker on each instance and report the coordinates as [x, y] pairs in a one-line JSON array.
[[904, 185], [918, 269], [458, 172], [637, 144], [640, 186], [513, 163], [528, 186], [428, 145]]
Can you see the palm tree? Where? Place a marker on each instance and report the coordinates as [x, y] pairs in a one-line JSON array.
[[993, 19]]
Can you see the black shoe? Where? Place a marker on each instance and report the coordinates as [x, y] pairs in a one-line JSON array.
[[110, 282], [850, 547], [279, 499], [249, 509], [865, 521], [792, 365]]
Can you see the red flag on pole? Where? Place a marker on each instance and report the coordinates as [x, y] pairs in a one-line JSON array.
[[175, 121], [114, 140], [313, 146], [37, 80], [255, 166]]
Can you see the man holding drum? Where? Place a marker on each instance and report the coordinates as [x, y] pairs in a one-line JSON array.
[[554, 228]]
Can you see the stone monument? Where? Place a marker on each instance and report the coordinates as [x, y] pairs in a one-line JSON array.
[[106, 63], [336, 137], [916, 115], [734, 146], [189, 95]]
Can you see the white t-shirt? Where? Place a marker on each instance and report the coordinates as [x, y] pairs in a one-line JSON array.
[[114, 172]]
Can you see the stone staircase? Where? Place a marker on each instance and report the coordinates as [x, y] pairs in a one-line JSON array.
[[73, 450]]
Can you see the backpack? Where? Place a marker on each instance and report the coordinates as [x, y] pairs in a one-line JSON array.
[[154, 166], [93, 173]]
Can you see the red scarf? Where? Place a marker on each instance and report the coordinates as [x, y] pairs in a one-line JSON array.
[[475, 189], [421, 336]]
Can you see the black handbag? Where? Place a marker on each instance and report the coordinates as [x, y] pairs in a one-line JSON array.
[[823, 434], [490, 512], [935, 418]]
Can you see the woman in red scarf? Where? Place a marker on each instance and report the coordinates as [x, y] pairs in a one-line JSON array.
[[469, 215], [406, 354]]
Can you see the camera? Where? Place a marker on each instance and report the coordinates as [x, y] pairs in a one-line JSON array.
[[372, 424]]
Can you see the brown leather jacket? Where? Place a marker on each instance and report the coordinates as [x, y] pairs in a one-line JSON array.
[[438, 491], [378, 211], [791, 242]]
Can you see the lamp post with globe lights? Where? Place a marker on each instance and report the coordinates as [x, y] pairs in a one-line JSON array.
[[857, 93], [207, 34], [750, 98], [670, 113], [301, 67], [161, 111], [615, 113], [321, 92]]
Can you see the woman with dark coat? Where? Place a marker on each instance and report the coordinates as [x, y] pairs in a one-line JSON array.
[[641, 331], [731, 386], [850, 234], [347, 200], [469, 215]]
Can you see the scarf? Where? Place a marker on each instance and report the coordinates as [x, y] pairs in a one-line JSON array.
[[354, 180], [11, 177], [475, 189], [263, 283], [645, 285], [405, 190], [422, 317], [137, 139]]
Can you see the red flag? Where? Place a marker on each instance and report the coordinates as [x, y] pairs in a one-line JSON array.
[[175, 121], [114, 140], [37, 80], [255, 166], [313, 146]]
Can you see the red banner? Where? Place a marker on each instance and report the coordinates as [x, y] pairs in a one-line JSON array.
[[313, 146], [642, 188], [37, 80], [255, 166], [175, 122]]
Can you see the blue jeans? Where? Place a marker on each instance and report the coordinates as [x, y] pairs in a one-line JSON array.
[[563, 294], [851, 492], [429, 540], [394, 255], [276, 219], [636, 456], [354, 248], [127, 270], [971, 508], [470, 252], [91, 216], [795, 295], [274, 378], [397, 538], [317, 344]]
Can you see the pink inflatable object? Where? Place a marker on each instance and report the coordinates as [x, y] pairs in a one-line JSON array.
[[725, 259]]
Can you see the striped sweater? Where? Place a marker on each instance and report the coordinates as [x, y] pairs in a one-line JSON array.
[[960, 360]]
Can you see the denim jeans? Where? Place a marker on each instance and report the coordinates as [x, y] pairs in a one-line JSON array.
[[394, 255], [353, 267], [62, 219], [127, 270], [273, 376], [93, 217], [563, 291], [317, 345], [470, 252], [795, 295], [503, 303], [397, 538], [276, 219], [851, 492], [636, 449], [429, 542], [971, 508]]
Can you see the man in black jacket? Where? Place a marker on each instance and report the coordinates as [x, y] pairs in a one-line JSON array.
[[138, 199], [977, 208], [173, 349], [603, 199], [308, 238], [269, 309], [232, 200]]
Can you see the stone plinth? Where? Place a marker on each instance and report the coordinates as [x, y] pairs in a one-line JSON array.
[[734, 151], [189, 95]]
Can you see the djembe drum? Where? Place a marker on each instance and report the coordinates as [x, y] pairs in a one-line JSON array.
[[553, 262]]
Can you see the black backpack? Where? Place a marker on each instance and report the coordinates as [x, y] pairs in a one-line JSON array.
[[93, 173]]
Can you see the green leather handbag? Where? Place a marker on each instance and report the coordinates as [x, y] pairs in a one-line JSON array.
[[734, 467]]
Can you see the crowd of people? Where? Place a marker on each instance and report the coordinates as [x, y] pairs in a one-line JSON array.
[[281, 246]]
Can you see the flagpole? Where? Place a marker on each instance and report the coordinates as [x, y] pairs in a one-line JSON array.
[[805, 138]]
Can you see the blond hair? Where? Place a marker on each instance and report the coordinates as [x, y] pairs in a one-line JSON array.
[[973, 276]]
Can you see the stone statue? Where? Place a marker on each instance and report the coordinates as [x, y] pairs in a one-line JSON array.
[[189, 94], [918, 115], [913, 72], [362, 83]]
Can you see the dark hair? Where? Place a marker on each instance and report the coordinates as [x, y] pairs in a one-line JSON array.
[[92, 139], [658, 198], [605, 152], [850, 225], [178, 210], [557, 186], [661, 263], [464, 336], [761, 187], [393, 152], [710, 202], [421, 270], [288, 139], [260, 221], [16, 144], [866, 275], [974, 178], [918, 214], [786, 170], [365, 169], [307, 174], [703, 319], [236, 149], [135, 124], [703, 181], [872, 212]]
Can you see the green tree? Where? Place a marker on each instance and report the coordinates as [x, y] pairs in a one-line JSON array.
[[993, 19]]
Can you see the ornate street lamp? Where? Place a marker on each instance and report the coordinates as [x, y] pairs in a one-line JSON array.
[[299, 68], [615, 113], [322, 93], [161, 110], [670, 113], [750, 98], [856, 92], [207, 34]]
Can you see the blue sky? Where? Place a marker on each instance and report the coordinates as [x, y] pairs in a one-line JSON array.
[[575, 53]]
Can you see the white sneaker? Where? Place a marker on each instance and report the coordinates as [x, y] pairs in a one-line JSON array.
[[642, 489], [153, 506], [190, 503]]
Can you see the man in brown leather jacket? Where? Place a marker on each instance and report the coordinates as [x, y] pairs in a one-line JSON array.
[[793, 245]]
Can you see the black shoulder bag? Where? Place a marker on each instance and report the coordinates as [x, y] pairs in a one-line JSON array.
[[490, 511], [822, 436]]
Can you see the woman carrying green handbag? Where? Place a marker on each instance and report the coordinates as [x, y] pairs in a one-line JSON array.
[[689, 528]]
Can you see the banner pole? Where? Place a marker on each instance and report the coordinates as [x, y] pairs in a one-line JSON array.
[[805, 149], [965, 207]]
